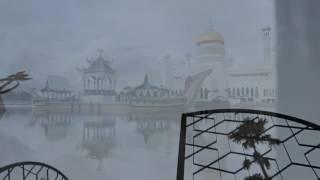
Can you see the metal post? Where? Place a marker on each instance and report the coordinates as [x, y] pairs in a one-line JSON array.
[[181, 155]]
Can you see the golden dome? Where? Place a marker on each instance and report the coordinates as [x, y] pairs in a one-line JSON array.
[[210, 37]]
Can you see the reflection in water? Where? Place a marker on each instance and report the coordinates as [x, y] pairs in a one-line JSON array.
[[149, 127], [12, 149], [55, 124], [134, 142], [140, 144], [98, 138]]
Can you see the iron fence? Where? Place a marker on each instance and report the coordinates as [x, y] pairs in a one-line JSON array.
[[31, 170], [206, 150]]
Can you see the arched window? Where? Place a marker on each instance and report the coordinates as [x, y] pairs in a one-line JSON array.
[[201, 93], [148, 94], [247, 91], [141, 94], [233, 92], [273, 92], [238, 92], [206, 92], [270, 93], [257, 92], [98, 84], [228, 92], [242, 91]]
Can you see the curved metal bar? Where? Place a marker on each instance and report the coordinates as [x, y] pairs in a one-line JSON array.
[[253, 111], [19, 164], [294, 130]]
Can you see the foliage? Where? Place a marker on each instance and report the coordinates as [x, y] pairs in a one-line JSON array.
[[250, 134], [254, 177]]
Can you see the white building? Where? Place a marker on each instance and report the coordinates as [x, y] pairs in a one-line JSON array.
[[211, 54], [254, 81], [56, 89], [99, 81], [229, 80]]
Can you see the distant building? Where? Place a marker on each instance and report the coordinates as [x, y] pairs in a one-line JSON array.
[[252, 83], [148, 94], [229, 80], [210, 54], [56, 89], [99, 81]]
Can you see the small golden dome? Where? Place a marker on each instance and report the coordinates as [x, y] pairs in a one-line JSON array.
[[210, 37]]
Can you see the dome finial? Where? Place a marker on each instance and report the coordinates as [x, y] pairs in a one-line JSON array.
[[211, 24], [146, 80]]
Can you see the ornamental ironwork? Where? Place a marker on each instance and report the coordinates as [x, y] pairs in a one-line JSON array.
[[247, 144], [30, 171]]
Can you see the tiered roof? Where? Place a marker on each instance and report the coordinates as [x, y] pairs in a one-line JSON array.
[[99, 65]]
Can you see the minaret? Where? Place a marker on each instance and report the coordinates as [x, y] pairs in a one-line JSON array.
[[267, 44]]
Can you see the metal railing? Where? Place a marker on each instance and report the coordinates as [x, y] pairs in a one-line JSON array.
[[206, 150], [30, 170]]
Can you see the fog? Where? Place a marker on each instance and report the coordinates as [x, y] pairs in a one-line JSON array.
[[298, 63], [38, 34], [111, 79]]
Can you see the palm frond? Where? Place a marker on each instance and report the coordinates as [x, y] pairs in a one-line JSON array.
[[254, 177]]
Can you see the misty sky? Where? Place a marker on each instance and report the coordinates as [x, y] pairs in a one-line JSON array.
[[55, 37]]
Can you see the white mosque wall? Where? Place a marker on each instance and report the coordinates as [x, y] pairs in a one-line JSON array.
[[252, 83]]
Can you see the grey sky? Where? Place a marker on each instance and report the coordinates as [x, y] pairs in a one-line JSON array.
[[55, 37]]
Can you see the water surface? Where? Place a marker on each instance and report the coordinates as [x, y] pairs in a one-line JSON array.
[[93, 146]]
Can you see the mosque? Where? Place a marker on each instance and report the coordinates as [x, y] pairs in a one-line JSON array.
[[227, 80], [230, 80]]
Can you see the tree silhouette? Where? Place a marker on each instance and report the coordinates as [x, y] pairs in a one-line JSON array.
[[250, 134]]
